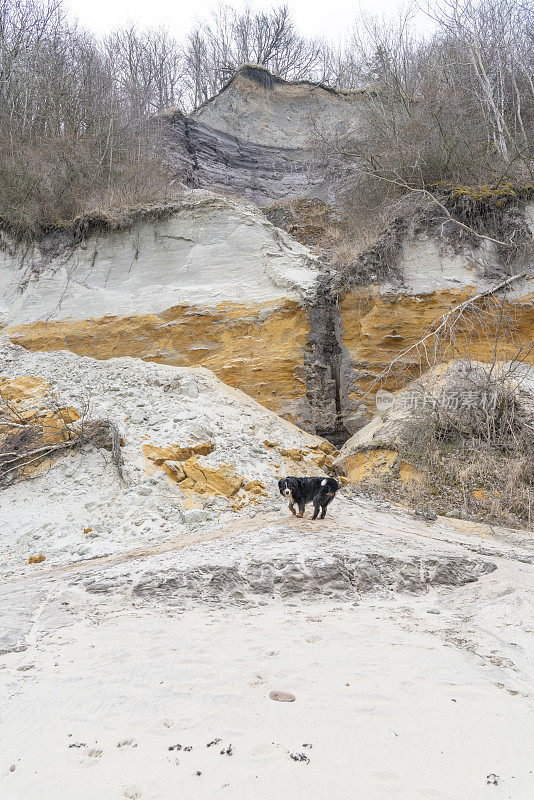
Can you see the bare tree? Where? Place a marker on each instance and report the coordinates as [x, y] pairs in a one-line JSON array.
[[72, 136], [496, 37], [456, 106], [148, 67], [220, 45]]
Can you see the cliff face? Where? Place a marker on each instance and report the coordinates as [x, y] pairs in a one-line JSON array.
[[211, 282], [261, 109], [380, 321], [205, 157], [253, 139]]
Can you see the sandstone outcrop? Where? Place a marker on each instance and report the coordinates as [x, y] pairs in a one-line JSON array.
[[458, 394], [193, 449], [31, 418], [457, 441], [211, 283]]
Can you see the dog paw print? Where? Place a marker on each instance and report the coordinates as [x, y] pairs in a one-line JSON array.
[[300, 757]]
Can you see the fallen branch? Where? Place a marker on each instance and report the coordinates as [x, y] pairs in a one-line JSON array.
[[437, 327], [101, 433]]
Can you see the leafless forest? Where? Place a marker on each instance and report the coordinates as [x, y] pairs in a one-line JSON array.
[[456, 105]]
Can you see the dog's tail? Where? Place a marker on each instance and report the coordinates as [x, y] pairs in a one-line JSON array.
[[331, 483]]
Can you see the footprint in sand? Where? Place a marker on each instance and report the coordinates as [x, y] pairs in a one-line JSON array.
[[299, 757], [131, 794], [94, 752], [127, 743]]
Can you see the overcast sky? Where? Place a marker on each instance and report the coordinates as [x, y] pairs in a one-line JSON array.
[[329, 18]]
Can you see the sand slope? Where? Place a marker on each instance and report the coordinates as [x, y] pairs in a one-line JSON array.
[[407, 644], [416, 687]]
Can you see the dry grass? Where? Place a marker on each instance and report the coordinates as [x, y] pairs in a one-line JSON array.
[[354, 236], [49, 182], [464, 477], [481, 469], [469, 438]]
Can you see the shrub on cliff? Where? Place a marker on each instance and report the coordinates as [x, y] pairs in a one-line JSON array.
[[457, 106]]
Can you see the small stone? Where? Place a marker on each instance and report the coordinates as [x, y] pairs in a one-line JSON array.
[[433, 611], [12, 768], [38, 559], [190, 390], [195, 516], [282, 697]]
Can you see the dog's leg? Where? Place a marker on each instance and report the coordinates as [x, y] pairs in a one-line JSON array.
[[292, 508], [301, 510], [328, 499], [316, 508]]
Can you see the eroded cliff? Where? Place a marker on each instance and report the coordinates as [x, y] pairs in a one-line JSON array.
[[254, 139], [211, 281]]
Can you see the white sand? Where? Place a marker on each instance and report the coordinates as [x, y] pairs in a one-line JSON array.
[[211, 250], [435, 702], [408, 645], [152, 404]]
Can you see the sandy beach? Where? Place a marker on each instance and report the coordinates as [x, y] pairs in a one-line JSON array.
[[134, 686]]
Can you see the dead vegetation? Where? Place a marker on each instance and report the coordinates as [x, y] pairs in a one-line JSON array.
[[463, 447], [449, 127], [463, 429], [36, 430], [484, 474], [487, 223], [311, 221], [74, 129], [484, 322]]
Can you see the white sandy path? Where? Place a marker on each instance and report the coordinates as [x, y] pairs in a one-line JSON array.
[[435, 702], [419, 719]]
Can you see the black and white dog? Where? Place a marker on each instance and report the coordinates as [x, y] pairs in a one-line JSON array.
[[299, 491]]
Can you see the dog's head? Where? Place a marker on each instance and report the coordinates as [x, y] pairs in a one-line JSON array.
[[286, 486]]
